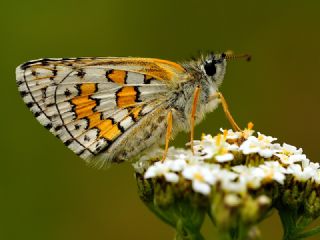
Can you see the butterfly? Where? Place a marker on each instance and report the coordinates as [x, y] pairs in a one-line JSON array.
[[109, 110]]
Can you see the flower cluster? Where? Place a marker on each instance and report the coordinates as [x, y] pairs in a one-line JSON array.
[[241, 175], [217, 160]]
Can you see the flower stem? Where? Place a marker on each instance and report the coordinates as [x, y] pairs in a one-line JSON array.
[[185, 233], [294, 225]]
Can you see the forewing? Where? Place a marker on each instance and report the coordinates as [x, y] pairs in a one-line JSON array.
[[89, 103]]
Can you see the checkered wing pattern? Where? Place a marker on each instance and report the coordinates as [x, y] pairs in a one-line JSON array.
[[89, 103]]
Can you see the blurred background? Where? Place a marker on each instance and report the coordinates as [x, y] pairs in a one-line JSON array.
[[47, 192]]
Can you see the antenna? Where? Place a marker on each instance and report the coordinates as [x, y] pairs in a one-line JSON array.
[[230, 56]]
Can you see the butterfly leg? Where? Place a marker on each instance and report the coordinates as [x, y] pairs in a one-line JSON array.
[[168, 134], [193, 115], [228, 114]]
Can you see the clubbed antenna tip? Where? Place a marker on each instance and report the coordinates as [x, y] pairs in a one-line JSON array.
[[230, 56]]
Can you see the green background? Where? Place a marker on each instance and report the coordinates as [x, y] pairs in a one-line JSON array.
[[47, 192]]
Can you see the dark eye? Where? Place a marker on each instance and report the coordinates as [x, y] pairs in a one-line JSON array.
[[210, 68]]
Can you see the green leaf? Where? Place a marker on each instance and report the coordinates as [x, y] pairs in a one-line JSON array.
[[309, 233]]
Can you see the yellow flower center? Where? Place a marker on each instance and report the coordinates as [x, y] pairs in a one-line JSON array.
[[222, 151], [199, 177]]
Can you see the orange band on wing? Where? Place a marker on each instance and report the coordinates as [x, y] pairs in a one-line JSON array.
[[126, 96], [94, 119], [84, 106], [108, 130], [117, 76], [88, 88]]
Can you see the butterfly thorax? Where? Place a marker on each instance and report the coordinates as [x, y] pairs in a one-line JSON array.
[[183, 100]]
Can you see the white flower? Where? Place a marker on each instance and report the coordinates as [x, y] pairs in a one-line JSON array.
[[201, 177], [290, 159], [215, 147], [301, 174], [226, 175], [171, 177], [176, 165], [305, 171], [253, 176], [214, 168], [288, 149], [289, 154], [238, 186], [231, 182], [273, 171], [262, 145], [225, 157], [230, 134], [161, 169], [251, 145], [266, 153], [266, 139], [179, 153], [183, 164], [224, 151], [204, 148], [307, 163], [231, 147]]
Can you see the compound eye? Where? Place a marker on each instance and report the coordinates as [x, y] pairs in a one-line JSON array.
[[210, 68]]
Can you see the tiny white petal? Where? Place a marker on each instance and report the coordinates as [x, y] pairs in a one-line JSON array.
[[316, 176], [302, 173], [289, 149], [224, 157], [297, 158], [235, 187], [279, 177], [171, 177], [266, 153], [232, 147], [178, 165], [231, 134], [151, 172], [201, 187], [188, 172]]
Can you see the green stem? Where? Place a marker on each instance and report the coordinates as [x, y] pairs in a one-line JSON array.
[[294, 224], [185, 233], [288, 224], [240, 232], [161, 215]]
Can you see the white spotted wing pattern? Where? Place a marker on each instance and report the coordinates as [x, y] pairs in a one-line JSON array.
[[109, 110], [112, 108]]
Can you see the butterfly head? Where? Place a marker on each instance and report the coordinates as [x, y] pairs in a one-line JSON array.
[[214, 67]]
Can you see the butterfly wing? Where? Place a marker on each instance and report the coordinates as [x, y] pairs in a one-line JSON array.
[[91, 103]]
